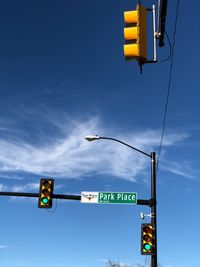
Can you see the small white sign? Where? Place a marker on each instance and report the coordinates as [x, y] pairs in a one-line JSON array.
[[89, 197]]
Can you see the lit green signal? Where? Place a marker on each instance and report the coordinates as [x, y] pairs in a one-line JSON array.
[[147, 247], [44, 200]]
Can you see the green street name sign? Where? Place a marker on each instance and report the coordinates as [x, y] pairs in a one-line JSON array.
[[117, 198], [109, 197]]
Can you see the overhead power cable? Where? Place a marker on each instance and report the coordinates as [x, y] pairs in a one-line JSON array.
[[169, 86], [170, 50]]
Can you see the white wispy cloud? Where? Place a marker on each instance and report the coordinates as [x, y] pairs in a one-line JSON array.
[[28, 187], [65, 153], [182, 169], [3, 246], [25, 187], [3, 187]]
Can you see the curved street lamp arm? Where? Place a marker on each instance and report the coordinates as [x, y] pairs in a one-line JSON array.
[[116, 140]]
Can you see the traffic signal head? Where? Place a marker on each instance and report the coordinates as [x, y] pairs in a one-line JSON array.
[[147, 239], [46, 193], [135, 34]]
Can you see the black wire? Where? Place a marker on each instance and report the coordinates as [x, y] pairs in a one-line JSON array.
[[169, 85], [170, 49]]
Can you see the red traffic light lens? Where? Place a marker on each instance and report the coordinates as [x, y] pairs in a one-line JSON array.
[[147, 230], [46, 184]]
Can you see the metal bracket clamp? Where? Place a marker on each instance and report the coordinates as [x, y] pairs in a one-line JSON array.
[[152, 202]]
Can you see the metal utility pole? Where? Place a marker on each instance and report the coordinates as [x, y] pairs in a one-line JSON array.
[[153, 208], [161, 21], [153, 201]]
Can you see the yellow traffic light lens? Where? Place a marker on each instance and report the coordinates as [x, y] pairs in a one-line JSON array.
[[45, 192], [147, 238]]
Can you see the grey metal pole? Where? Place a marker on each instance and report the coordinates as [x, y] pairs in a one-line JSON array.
[[154, 32], [152, 202], [161, 22], [153, 207]]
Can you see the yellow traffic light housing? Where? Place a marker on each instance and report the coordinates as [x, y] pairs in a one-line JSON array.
[[147, 239], [46, 193], [135, 34]]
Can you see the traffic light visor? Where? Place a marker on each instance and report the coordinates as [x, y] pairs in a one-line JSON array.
[[131, 33], [131, 50], [131, 16]]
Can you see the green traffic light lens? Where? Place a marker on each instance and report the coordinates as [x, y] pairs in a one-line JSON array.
[[147, 247], [45, 200]]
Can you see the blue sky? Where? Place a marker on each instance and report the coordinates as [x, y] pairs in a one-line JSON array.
[[63, 76]]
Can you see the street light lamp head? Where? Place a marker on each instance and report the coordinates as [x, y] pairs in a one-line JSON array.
[[92, 137]]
